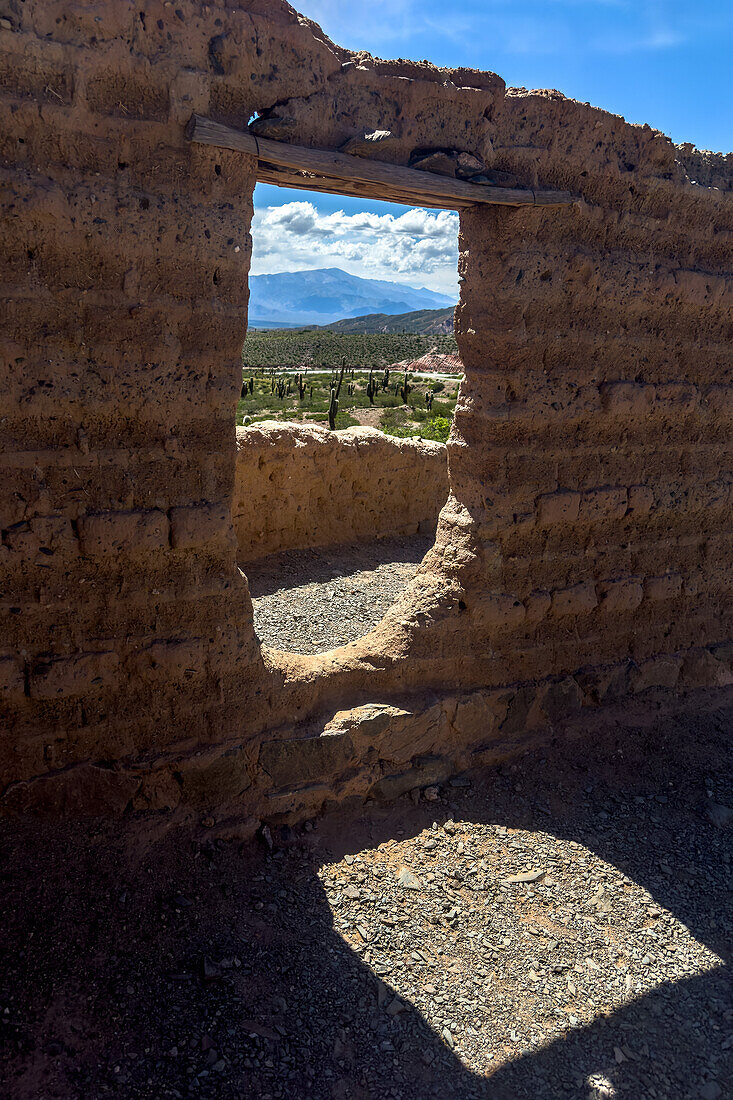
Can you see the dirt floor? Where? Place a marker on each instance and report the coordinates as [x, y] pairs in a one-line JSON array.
[[309, 601], [557, 927]]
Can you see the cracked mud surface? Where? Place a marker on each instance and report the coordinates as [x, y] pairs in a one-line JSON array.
[[553, 928], [310, 601]]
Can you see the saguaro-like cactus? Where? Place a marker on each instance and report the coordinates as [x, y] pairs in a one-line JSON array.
[[385, 380], [429, 398], [371, 387], [333, 406], [333, 409], [405, 390]]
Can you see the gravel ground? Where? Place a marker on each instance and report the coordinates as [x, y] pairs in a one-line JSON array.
[[309, 601], [554, 928]]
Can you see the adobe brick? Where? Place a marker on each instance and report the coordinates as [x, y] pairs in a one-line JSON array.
[[174, 660], [500, 611], [660, 672], [73, 676], [701, 668], [627, 398], [624, 594], [599, 505], [201, 524], [43, 534], [127, 95], [665, 587], [719, 400], [12, 678], [579, 599], [560, 507], [537, 606], [640, 500], [123, 532]]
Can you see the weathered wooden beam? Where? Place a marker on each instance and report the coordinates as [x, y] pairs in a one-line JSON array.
[[327, 170], [283, 177]]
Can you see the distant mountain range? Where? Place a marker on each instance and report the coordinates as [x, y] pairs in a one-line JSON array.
[[321, 297], [427, 322]]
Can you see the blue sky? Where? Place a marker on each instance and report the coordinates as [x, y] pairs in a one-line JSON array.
[[665, 62]]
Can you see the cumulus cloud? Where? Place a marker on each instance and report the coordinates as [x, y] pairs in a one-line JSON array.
[[418, 247]]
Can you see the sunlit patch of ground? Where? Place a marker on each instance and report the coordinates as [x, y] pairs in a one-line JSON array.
[[555, 929], [499, 967]]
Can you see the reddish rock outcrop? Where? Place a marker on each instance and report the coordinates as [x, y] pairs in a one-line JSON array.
[[585, 550]]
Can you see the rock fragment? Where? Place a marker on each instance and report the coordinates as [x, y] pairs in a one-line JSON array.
[[273, 127], [408, 880], [369, 145], [527, 876]]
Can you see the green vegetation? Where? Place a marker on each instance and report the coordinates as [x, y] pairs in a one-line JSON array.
[[399, 422], [296, 349], [424, 321], [384, 399]]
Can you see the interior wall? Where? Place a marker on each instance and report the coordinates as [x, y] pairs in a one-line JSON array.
[[299, 486], [588, 526]]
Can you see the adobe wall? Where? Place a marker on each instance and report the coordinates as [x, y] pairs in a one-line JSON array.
[[586, 549], [300, 485]]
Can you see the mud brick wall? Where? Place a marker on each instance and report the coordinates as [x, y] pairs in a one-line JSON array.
[[126, 250], [585, 551], [300, 485]]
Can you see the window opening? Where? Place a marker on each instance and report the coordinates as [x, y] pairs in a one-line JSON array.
[[350, 327]]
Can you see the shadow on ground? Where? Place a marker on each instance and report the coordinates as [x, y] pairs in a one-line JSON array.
[[145, 960], [291, 568]]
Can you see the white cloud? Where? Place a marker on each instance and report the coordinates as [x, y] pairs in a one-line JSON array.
[[418, 248]]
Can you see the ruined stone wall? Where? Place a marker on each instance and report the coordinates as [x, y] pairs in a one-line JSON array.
[[300, 485], [586, 548]]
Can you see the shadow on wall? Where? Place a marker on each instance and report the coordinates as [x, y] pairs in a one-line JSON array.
[[145, 964]]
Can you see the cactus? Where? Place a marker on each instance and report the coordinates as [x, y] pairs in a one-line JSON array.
[[341, 378], [371, 388], [333, 409], [429, 398], [281, 389], [301, 387], [385, 380], [405, 390]]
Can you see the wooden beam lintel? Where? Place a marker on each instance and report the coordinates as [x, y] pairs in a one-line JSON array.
[[304, 181], [328, 170]]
